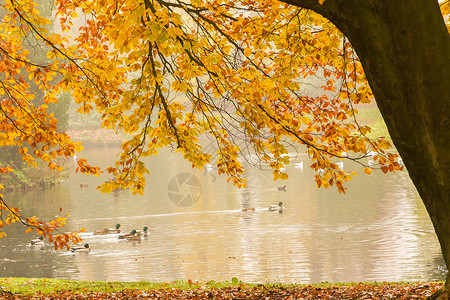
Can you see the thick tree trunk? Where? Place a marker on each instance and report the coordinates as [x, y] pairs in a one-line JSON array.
[[404, 47]]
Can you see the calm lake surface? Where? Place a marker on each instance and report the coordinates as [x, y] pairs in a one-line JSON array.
[[378, 231]]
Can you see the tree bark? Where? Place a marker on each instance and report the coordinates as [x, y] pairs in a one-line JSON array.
[[404, 47]]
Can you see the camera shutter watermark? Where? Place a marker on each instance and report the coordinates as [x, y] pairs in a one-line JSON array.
[[184, 189]]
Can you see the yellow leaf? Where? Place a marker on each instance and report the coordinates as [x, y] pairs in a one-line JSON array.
[[283, 176], [305, 120]]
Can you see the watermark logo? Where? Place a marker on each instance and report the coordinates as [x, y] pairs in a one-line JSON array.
[[184, 189]]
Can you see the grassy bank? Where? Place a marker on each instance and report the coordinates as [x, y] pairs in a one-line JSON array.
[[32, 288]]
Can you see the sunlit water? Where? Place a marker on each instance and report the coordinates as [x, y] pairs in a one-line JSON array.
[[378, 231]]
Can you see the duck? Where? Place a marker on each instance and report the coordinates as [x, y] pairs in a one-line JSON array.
[[282, 188], [248, 209], [278, 207], [38, 242], [132, 236], [143, 232], [108, 230], [83, 249], [83, 185]]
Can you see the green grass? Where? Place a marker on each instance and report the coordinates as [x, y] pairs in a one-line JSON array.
[[27, 286]]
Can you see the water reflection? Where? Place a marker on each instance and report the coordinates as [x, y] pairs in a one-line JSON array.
[[378, 231]]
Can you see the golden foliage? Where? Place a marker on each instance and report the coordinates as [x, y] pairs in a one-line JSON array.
[[46, 229], [253, 75], [445, 10]]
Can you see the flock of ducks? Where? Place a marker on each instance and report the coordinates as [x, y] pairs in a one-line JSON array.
[[134, 235]]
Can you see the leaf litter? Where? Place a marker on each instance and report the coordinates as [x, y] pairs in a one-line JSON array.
[[261, 291]]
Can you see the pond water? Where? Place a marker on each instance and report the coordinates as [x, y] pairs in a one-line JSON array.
[[378, 231]]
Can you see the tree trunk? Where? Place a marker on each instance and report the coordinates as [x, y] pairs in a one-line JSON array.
[[404, 48]]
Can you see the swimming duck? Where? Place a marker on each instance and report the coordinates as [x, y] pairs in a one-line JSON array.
[[248, 209], [123, 236], [278, 207], [143, 232], [132, 236], [38, 242], [82, 185], [282, 188], [108, 230], [84, 249]]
